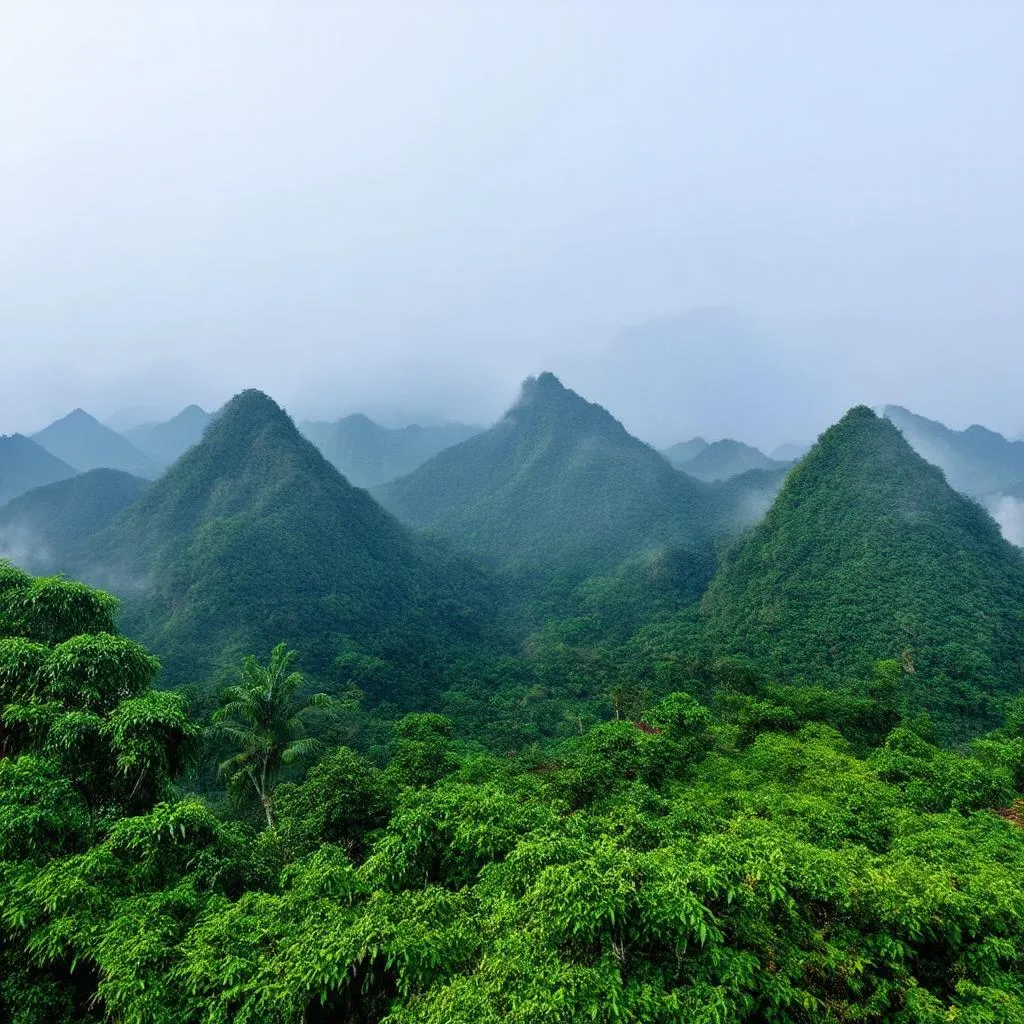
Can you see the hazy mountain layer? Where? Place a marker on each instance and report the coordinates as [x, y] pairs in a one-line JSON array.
[[789, 452], [24, 464], [867, 553], [369, 454], [82, 441], [165, 442], [681, 453], [977, 461], [51, 528], [557, 481], [725, 459]]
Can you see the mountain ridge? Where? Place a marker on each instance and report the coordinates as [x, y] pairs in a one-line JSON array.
[[81, 441], [252, 537], [368, 454], [556, 479], [867, 553], [25, 464]]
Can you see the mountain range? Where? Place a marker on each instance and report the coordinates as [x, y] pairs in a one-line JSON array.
[[977, 461], [861, 552], [721, 460], [867, 553], [24, 464], [83, 442], [368, 454], [162, 443], [558, 481], [252, 537]]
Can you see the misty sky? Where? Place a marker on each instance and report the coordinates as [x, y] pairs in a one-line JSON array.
[[725, 218]]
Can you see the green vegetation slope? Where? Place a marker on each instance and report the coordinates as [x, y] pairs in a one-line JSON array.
[[51, 528], [867, 553], [754, 863], [556, 481], [252, 537]]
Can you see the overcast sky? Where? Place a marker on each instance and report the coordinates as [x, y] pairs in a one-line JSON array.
[[714, 217]]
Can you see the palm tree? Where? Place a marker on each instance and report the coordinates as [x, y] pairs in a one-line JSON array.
[[266, 722]]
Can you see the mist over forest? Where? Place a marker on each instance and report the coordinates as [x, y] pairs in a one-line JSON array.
[[511, 513]]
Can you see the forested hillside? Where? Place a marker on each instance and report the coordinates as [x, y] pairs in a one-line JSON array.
[[252, 537], [557, 482], [53, 528], [653, 769], [774, 857], [868, 553]]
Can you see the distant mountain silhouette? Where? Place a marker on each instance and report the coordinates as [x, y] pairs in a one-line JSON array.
[[725, 459], [866, 554], [51, 527], [24, 464], [789, 452], [252, 537], [684, 451], [976, 461], [82, 441], [368, 454], [165, 442]]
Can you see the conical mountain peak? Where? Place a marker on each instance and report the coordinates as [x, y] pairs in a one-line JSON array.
[[547, 409], [250, 455], [253, 536], [866, 554], [557, 479], [165, 442], [251, 408], [545, 384], [80, 440]]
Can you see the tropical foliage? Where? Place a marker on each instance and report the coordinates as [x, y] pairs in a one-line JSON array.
[[643, 773], [789, 855]]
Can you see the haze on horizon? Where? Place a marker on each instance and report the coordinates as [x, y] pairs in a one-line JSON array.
[[735, 219]]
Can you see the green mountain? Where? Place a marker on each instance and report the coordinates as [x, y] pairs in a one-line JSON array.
[[556, 482], [82, 441], [163, 443], [51, 527], [976, 461], [868, 554], [252, 537], [684, 451], [369, 454], [25, 464], [725, 459]]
